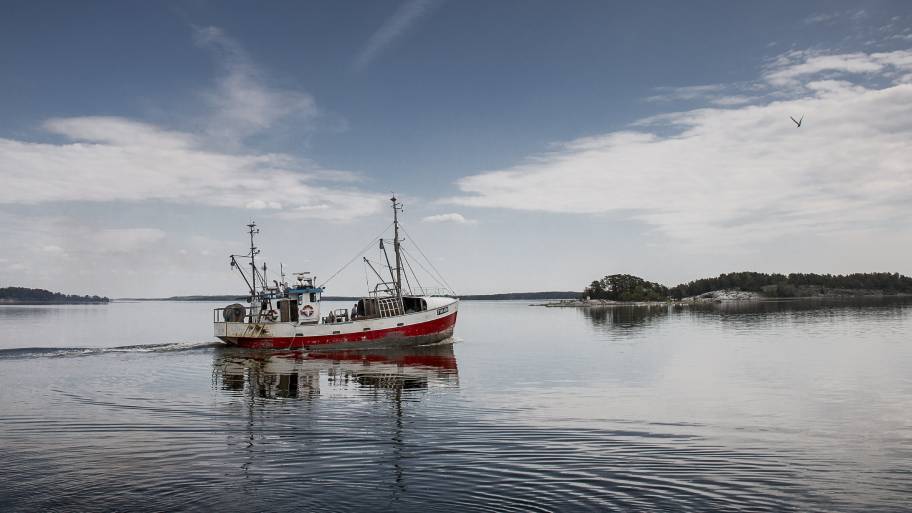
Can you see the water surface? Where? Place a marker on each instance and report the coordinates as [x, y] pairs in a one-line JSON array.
[[790, 406]]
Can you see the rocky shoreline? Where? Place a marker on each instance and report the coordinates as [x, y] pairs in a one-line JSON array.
[[590, 303], [720, 296]]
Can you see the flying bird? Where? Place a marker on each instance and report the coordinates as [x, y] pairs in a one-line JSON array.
[[797, 122]]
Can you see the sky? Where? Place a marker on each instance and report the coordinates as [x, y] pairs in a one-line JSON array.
[[535, 145]]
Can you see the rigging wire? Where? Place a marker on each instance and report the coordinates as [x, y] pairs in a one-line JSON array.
[[369, 244], [413, 273], [429, 273], [427, 259], [405, 274]]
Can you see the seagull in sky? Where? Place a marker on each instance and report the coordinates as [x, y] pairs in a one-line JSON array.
[[797, 122]]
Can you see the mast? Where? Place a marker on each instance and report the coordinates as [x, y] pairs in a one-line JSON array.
[[253, 251], [396, 208], [388, 265]]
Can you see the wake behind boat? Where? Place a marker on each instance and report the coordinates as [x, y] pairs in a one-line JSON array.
[[286, 316]]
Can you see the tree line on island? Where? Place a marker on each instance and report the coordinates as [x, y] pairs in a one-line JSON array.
[[23, 295], [625, 287]]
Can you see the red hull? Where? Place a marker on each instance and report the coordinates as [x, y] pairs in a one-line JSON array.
[[416, 334]]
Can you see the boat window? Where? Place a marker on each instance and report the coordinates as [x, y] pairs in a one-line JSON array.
[[367, 308], [414, 304], [313, 297]]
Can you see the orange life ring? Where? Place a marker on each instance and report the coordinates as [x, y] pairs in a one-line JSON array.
[[271, 315], [307, 311]]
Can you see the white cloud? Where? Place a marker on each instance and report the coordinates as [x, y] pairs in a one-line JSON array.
[[108, 159], [125, 240], [447, 218], [128, 260], [739, 175], [725, 101], [53, 236], [116, 159], [832, 17], [54, 249], [117, 132], [405, 16], [788, 68], [723, 95], [695, 92], [88, 160], [242, 102], [260, 205]]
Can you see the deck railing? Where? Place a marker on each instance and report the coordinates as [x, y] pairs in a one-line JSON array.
[[219, 316], [389, 289], [382, 289], [431, 291]]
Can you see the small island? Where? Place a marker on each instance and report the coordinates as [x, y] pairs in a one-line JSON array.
[[27, 296], [625, 289]]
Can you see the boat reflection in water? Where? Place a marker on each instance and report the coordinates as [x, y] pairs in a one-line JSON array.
[[319, 420], [300, 374]]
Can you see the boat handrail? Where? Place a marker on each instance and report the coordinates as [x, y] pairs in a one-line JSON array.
[[431, 291], [389, 289], [249, 314], [413, 291]]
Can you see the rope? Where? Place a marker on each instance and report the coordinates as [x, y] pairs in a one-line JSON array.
[[413, 272], [369, 244], [405, 275], [427, 259], [436, 280]]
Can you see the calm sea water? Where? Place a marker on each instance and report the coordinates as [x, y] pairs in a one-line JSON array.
[[777, 407]]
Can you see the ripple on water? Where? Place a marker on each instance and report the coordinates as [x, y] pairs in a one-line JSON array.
[[60, 352], [202, 427], [373, 433]]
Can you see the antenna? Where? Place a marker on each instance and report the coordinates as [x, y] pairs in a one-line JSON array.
[[397, 207], [252, 227]]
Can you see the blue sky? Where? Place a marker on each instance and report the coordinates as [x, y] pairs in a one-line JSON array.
[[537, 145]]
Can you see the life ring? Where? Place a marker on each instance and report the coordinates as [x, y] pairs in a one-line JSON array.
[[271, 315], [307, 311]]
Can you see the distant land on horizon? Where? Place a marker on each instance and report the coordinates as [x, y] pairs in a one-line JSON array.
[[617, 287], [507, 296], [29, 296]]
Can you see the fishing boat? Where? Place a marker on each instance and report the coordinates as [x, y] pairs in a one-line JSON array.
[[289, 316]]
